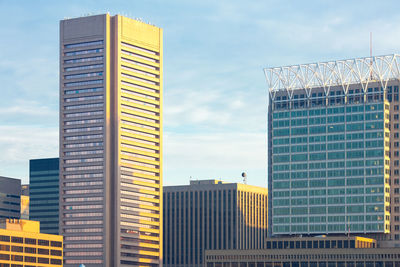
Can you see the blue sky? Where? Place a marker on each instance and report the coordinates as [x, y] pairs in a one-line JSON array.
[[215, 94]]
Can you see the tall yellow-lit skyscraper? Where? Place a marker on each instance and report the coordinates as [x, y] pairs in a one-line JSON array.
[[110, 141]]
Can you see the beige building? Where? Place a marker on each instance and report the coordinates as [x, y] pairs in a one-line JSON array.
[[110, 141], [211, 214], [308, 252]]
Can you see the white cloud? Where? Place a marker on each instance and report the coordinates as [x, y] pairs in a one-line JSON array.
[[19, 144]]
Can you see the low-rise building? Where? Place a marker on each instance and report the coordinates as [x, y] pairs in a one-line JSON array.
[[337, 251], [22, 244]]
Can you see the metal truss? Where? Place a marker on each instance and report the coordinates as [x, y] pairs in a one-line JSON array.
[[341, 73]]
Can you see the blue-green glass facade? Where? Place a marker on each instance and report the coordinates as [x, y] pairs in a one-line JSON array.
[[44, 193], [329, 168]]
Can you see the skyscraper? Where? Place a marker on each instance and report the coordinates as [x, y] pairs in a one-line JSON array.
[[43, 193], [110, 141], [211, 214], [334, 148]]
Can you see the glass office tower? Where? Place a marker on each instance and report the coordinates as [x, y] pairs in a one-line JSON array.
[[110, 141], [44, 194], [330, 142]]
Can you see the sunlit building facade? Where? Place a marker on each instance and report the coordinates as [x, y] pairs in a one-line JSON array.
[[24, 202], [22, 244], [110, 141]]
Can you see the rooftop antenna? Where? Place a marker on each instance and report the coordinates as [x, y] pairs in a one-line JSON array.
[[244, 175]]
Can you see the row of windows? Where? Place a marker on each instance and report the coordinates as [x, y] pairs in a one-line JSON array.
[[329, 165], [139, 79], [149, 59], [329, 129], [85, 214], [330, 146], [31, 250], [84, 168], [83, 44], [338, 110], [84, 121], [134, 62], [330, 192], [333, 218], [86, 152], [330, 173], [140, 87], [82, 199], [28, 259], [84, 67], [31, 241], [140, 72], [329, 182], [84, 98], [315, 244], [373, 153], [83, 91], [139, 48], [84, 52], [84, 129], [329, 119], [81, 238], [82, 83], [92, 144], [83, 207], [329, 138], [83, 176], [83, 137], [328, 200], [84, 114], [81, 60], [70, 161], [83, 75], [322, 228], [86, 191], [329, 210]]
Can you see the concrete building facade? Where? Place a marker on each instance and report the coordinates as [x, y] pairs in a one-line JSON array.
[[309, 252], [210, 214], [44, 193], [110, 141], [10, 198]]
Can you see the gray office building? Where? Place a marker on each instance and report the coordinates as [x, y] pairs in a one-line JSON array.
[[212, 215], [10, 198], [43, 192]]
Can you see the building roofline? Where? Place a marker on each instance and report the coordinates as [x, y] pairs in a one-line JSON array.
[[364, 70]]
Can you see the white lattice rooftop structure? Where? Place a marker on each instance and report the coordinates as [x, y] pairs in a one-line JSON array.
[[366, 70]]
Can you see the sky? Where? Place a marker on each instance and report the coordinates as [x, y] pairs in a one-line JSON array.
[[215, 93]]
